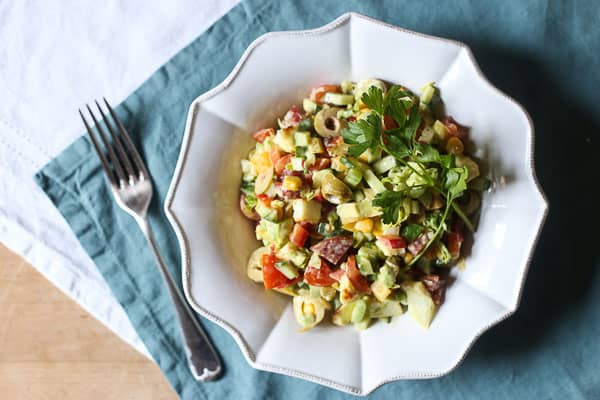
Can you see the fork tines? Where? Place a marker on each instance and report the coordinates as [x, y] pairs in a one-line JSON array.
[[127, 165]]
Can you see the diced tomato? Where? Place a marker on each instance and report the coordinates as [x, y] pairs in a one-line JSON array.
[[320, 163], [337, 274], [319, 276], [281, 163], [291, 118], [317, 93], [359, 282], [272, 277], [352, 118], [454, 128], [265, 199], [389, 123], [454, 242], [393, 242], [274, 155], [299, 235], [319, 197], [262, 134]]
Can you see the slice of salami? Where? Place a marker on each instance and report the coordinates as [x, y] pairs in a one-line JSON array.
[[334, 248]]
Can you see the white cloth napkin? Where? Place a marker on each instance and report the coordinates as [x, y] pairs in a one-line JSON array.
[[55, 57]]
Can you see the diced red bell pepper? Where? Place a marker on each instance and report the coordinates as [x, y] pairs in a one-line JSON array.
[[274, 155], [281, 163], [265, 199], [262, 134], [291, 118], [272, 277], [299, 235], [317, 93], [359, 282], [393, 242]]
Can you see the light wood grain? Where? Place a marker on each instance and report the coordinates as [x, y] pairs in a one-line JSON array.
[[50, 348]]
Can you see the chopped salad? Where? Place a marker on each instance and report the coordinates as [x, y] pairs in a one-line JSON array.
[[362, 200]]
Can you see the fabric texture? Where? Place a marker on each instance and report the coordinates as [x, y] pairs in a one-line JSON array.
[[56, 56], [542, 53]]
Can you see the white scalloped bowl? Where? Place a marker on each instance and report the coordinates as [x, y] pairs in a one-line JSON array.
[[276, 71]]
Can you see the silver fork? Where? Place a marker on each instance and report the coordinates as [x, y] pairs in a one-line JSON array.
[[132, 189]]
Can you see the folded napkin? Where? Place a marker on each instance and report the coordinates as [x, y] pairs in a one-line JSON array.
[[545, 54]]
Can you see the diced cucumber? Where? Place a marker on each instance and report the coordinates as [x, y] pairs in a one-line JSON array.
[[353, 177], [284, 138], [267, 213], [348, 213], [420, 304], [309, 106], [306, 211], [297, 164], [302, 139], [345, 113], [347, 86], [440, 130], [364, 265], [338, 99], [373, 181], [315, 146], [287, 269], [385, 164], [366, 209], [427, 135], [385, 309], [274, 233], [427, 93], [338, 165], [314, 261], [359, 312], [343, 314], [248, 171], [296, 256]]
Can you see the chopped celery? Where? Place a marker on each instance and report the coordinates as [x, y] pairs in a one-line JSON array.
[[373, 181], [353, 177], [385, 164], [359, 312], [338, 99]]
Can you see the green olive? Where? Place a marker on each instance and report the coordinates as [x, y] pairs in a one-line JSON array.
[[334, 190], [326, 122]]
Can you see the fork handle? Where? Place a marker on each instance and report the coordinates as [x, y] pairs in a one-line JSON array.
[[202, 358]]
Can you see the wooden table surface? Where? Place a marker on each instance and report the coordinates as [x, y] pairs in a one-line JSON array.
[[50, 348]]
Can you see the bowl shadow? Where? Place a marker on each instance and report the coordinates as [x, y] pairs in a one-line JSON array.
[[562, 267]]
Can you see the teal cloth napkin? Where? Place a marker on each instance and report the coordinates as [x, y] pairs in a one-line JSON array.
[[545, 54]]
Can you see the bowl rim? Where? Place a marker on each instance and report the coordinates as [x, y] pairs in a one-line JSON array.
[[248, 353]]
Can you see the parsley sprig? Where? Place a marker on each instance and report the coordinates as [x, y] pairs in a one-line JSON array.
[[400, 141]]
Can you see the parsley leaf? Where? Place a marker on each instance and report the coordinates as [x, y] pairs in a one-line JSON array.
[[412, 231], [414, 120], [447, 160], [363, 134], [456, 181], [394, 106], [426, 153], [390, 203], [395, 146], [305, 125], [373, 98]]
